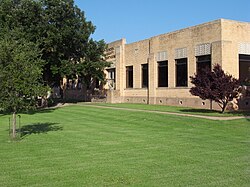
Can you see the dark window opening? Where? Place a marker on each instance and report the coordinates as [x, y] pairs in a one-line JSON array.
[[144, 75], [163, 74], [244, 69], [97, 83], [203, 63], [181, 72], [129, 76]]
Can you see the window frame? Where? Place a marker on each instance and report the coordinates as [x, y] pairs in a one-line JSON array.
[[129, 77], [162, 65], [244, 64], [201, 60], [178, 64], [144, 80]]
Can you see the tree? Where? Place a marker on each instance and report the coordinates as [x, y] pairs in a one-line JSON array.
[[215, 85], [66, 35], [92, 66], [20, 74], [61, 31]]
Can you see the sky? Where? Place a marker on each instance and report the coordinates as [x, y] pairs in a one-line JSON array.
[[141, 19]]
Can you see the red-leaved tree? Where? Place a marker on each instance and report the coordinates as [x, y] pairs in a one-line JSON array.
[[216, 86]]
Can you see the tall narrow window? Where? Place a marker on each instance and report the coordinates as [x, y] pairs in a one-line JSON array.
[[129, 76], [111, 74], [144, 75], [163, 74], [181, 72], [202, 63], [111, 78], [244, 73]]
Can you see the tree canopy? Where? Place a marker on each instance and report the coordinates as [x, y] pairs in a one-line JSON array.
[[20, 74], [215, 85], [41, 41], [62, 33]]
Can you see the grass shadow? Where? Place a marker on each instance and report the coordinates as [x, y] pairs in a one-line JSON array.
[[41, 110], [247, 115], [199, 111], [215, 112], [242, 113], [38, 128], [30, 112]]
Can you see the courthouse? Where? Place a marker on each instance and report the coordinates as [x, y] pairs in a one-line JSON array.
[[157, 70]]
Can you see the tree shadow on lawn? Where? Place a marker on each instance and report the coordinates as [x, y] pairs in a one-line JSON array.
[[38, 128]]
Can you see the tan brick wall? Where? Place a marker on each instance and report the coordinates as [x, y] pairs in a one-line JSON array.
[[224, 37], [118, 63], [233, 33], [136, 54]]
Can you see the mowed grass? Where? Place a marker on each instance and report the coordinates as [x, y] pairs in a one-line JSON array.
[[175, 109], [87, 146]]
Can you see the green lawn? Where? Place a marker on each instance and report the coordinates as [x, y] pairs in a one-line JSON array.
[[175, 109], [87, 146]]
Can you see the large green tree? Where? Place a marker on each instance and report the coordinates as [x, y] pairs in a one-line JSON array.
[[20, 74], [62, 33]]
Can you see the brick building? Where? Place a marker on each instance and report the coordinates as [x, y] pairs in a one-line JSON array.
[[157, 70]]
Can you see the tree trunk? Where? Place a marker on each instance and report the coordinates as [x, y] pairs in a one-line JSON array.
[[224, 107], [211, 104], [14, 125]]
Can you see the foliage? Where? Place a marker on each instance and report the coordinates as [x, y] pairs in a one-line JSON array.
[[215, 85], [61, 31], [92, 66], [20, 74]]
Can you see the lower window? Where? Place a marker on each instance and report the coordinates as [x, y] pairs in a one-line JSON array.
[[181, 72]]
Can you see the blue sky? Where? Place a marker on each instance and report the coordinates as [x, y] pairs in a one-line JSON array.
[[140, 19]]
